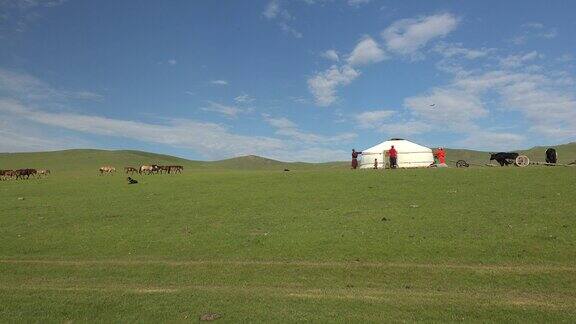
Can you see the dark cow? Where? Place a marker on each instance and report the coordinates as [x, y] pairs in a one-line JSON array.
[[551, 156], [503, 158]]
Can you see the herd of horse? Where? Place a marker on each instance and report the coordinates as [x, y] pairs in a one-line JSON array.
[[23, 174], [144, 169]]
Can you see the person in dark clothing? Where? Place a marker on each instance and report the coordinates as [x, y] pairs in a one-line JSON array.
[[355, 158], [393, 155]]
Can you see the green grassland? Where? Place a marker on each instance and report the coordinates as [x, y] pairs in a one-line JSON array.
[[319, 243]]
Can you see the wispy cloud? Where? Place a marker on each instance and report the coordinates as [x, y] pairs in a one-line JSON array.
[[357, 3], [228, 111], [324, 84], [451, 50], [373, 118], [288, 128], [243, 99], [367, 51], [403, 37], [211, 140], [331, 55], [534, 30], [407, 36], [219, 82], [27, 87], [276, 12], [17, 15]]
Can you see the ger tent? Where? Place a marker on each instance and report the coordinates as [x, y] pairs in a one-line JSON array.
[[410, 155]]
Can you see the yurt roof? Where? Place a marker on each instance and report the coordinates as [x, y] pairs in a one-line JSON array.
[[401, 145]]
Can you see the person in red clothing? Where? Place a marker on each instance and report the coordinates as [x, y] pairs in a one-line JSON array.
[[393, 154], [441, 155], [355, 159]]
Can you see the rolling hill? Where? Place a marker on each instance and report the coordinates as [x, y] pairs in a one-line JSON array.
[[91, 159]]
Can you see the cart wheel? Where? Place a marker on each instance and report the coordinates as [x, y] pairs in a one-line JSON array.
[[462, 164], [522, 161]]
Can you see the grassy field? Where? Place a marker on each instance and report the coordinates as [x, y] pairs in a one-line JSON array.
[[323, 245]]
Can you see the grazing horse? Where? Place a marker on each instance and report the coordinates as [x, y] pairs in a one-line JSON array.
[[130, 170], [163, 169], [21, 173], [148, 169], [107, 169], [6, 174], [503, 158], [43, 172]]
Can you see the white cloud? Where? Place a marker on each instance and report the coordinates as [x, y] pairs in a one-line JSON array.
[[272, 9], [406, 36], [324, 84], [447, 108], [18, 137], [515, 61], [243, 99], [275, 11], [228, 111], [372, 119], [172, 62], [456, 50], [331, 55], [211, 140], [367, 51], [492, 141], [357, 3], [286, 127], [403, 129], [27, 87], [17, 15], [534, 30], [219, 82]]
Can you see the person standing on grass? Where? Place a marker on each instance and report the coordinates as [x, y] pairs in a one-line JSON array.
[[393, 154], [441, 156], [355, 158]]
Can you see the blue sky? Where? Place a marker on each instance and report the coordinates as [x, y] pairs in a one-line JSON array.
[[300, 80]]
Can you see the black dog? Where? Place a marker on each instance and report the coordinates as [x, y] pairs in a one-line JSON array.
[[131, 181]]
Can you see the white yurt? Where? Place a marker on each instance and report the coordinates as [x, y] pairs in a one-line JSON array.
[[410, 155]]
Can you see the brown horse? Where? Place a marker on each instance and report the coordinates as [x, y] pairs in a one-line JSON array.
[[21, 173], [130, 170], [107, 169], [43, 172], [7, 174], [149, 169]]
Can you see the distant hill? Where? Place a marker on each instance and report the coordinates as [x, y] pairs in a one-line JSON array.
[[88, 159]]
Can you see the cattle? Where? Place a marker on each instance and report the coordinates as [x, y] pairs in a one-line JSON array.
[[107, 169], [21, 173], [130, 170], [503, 157], [148, 169], [551, 156]]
